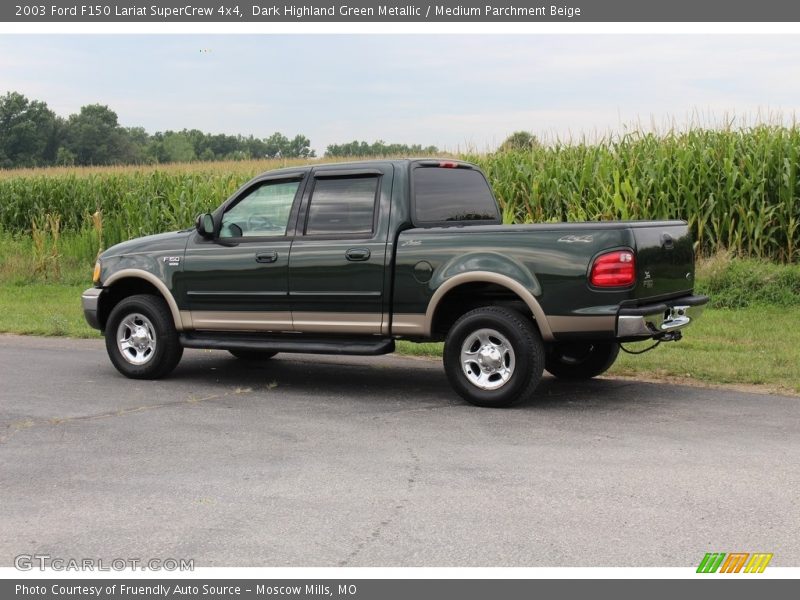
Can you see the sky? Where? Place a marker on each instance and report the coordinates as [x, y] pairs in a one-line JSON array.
[[458, 92]]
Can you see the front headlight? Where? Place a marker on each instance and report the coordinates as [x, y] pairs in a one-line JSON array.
[[96, 273]]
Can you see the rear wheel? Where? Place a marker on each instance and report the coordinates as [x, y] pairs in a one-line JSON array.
[[252, 354], [494, 357], [581, 360], [141, 339]]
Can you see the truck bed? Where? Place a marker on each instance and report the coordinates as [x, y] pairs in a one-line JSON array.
[[552, 261]]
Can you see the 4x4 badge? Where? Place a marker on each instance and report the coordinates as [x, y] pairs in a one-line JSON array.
[[571, 239]]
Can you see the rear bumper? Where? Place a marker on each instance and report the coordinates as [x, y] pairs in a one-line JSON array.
[[658, 320], [90, 299]]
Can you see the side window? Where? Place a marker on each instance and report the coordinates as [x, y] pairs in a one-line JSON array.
[[342, 205], [264, 212]]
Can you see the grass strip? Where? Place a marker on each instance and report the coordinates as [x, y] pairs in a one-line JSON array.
[[757, 344]]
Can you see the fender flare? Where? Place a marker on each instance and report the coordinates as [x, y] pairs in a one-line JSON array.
[[497, 279], [157, 283]]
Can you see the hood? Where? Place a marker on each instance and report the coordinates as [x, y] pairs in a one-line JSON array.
[[161, 242]]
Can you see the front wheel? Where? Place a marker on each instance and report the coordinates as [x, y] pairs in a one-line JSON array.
[[581, 360], [141, 339], [494, 357]]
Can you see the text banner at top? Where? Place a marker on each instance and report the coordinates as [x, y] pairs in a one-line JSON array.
[[497, 11]]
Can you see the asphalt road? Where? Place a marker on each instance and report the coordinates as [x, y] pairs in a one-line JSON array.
[[323, 461]]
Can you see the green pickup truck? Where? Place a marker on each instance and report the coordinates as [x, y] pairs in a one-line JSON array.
[[347, 258]]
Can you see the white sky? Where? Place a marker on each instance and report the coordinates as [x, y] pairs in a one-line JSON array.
[[453, 91]]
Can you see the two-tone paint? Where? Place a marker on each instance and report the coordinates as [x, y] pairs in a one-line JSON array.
[[396, 281]]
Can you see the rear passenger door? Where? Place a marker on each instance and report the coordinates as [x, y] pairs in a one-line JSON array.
[[337, 259]]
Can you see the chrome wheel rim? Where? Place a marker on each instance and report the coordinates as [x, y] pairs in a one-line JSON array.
[[487, 359], [136, 339]]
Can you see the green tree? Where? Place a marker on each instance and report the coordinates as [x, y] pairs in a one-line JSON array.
[[275, 145], [31, 134], [178, 147], [28, 132], [207, 154], [378, 148], [255, 147], [222, 145], [64, 157], [94, 136], [199, 142], [354, 148], [519, 140], [278, 145], [133, 143], [298, 147]]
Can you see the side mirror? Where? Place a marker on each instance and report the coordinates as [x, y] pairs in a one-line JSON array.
[[205, 225]]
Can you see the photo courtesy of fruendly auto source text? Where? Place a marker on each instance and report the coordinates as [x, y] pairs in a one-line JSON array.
[[372, 301]]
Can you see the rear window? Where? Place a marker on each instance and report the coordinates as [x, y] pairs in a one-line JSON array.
[[442, 195]]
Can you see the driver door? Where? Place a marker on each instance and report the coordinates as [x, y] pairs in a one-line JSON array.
[[240, 281]]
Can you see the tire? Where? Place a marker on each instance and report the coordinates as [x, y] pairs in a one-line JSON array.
[[144, 323], [509, 347], [254, 355], [580, 360]]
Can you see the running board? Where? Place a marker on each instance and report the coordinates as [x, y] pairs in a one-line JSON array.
[[306, 345]]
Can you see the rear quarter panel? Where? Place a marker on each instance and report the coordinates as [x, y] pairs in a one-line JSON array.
[[550, 261]]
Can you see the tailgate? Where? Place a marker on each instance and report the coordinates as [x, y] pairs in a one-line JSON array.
[[664, 260]]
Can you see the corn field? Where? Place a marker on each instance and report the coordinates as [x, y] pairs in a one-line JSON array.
[[737, 189]]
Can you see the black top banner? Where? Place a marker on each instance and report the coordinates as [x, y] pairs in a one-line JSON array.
[[499, 11]]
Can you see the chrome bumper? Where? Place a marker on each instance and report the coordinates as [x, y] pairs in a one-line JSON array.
[[89, 300], [658, 320]]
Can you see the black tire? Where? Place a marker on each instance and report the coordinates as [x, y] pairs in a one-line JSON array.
[[580, 360], [166, 351], [254, 355], [525, 361]]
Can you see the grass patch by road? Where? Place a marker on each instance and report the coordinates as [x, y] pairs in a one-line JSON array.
[[758, 344], [754, 345], [43, 309]]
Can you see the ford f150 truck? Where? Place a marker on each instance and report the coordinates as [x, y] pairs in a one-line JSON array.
[[347, 258]]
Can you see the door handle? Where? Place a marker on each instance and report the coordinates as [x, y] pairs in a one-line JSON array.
[[267, 257], [357, 254]]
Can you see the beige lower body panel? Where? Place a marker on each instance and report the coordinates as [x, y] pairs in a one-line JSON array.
[[417, 325], [406, 325], [573, 324], [301, 322], [343, 323], [215, 320], [410, 325]]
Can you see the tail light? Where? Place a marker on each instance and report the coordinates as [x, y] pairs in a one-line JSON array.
[[614, 269]]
